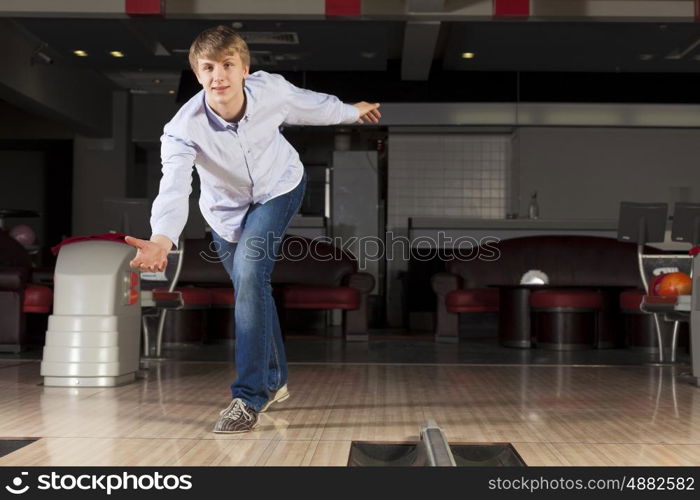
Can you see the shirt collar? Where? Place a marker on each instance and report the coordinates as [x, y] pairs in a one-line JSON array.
[[216, 120]]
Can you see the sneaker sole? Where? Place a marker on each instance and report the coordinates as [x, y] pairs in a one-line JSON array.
[[237, 432], [273, 401]]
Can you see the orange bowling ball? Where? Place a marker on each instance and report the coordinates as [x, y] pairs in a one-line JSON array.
[[672, 285]]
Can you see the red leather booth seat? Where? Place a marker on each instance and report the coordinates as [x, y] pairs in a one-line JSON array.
[[630, 300], [320, 297], [316, 275], [476, 300], [566, 299], [222, 297], [192, 297], [37, 299], [20, 296], [569, 261]]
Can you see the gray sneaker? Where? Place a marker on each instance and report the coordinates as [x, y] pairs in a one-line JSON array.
[[281, 394], [238, 417]]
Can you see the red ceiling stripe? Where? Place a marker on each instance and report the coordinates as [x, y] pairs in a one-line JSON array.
[[144, 7], [697, 10], [343, 7], [512, 8]]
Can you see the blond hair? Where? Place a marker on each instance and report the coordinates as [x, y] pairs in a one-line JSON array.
[[213, 43]]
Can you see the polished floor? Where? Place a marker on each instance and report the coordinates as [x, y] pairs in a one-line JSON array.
[[555, 409]]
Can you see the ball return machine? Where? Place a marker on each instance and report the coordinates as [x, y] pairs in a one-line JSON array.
[[100, 308], [646, 222]]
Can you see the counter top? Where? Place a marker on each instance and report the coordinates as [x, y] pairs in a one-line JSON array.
[[512, 228], [460, 223]]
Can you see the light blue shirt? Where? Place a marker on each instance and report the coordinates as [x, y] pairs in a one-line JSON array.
[[238, 163]]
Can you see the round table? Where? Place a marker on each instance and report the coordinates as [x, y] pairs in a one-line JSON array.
[[514, 329], [514, 321]]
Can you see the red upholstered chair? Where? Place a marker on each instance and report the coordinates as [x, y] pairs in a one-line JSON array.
[[565, 319], [453, 300], [323, 277], [475, 300], [321, 297], [18, 295]]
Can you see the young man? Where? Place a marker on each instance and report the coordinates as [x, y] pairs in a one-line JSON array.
[[252, 184]]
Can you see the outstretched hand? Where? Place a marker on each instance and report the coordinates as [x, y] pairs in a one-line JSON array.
[[369, 112], [150, 256]]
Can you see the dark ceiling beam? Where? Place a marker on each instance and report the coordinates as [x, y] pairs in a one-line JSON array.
[[36, 81], [146, 38], [420, 39], [592, 10], [52, 8]]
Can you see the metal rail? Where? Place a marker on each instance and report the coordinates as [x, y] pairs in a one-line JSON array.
[[437, 450]]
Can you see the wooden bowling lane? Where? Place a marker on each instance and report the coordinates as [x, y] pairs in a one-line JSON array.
[[553, 415]]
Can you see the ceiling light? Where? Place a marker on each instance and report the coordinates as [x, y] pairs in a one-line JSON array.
[[368, 55], [171, 92], [646, 57], [156, 81], [116, 53], [237, 25], [80, 53], [468, 55]]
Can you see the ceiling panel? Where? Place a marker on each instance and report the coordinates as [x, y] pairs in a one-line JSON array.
[[362, 46], [323, 45], [585, 47]]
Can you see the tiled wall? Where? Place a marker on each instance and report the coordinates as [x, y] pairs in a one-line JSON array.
[[443, 175], [451, 175]]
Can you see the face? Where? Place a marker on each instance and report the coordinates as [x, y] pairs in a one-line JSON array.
[[222, 78]]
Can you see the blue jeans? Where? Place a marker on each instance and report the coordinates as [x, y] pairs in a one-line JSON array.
[[261, 364]]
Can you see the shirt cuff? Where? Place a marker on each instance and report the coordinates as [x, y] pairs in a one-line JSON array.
[[350, 113]]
